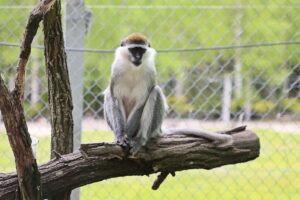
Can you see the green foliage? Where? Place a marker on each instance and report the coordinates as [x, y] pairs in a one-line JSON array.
[[35, 111], [184, 26], [237, 104], [180, 104], [292, 105], [263, 106]]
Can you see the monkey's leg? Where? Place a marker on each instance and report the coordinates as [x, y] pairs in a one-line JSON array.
[[115, 119], [133, 122], [151, 119]]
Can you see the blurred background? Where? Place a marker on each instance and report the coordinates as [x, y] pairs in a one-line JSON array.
[[220, 63]]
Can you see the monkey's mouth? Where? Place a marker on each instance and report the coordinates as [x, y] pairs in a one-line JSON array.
[[137, 55], [136, 62]]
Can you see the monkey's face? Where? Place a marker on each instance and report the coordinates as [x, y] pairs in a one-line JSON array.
[[136, 54], [137, 48]]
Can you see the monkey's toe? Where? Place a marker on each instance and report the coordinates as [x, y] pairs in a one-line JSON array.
[[123, 142]]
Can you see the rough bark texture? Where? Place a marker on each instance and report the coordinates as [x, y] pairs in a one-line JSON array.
[[59, 91], [169, 153], [20, 142], [13, 115], [60, 99]]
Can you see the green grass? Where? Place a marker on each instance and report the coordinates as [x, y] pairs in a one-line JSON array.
[[274, 175]]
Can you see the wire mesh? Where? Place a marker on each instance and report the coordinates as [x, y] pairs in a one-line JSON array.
[[220, 63]]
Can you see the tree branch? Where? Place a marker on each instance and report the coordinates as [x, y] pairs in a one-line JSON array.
[[101, 161], [13, 114], [32, 26]]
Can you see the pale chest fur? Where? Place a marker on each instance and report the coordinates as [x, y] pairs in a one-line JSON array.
[[132, 87]]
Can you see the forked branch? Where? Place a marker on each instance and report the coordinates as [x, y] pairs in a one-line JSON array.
[[13, 115]]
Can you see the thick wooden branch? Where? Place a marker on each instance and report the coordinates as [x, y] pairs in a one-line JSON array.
[[101, 161]]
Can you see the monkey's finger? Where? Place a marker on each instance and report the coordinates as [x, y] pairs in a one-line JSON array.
[[123, 143]]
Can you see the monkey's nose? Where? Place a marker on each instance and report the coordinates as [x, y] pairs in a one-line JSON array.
[[136, 60]]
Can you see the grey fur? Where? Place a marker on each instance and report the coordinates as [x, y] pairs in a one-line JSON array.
[[151, 119], [134, 106], [114, 118]]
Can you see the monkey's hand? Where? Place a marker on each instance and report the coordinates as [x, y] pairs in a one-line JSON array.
[[123, 141]]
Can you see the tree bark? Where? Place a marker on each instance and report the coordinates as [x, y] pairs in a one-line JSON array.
[[59, 90], [169, 153], [28, 186], [20, 142]]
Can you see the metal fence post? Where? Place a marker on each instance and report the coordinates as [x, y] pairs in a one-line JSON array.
[[226, 98], [74, 36]]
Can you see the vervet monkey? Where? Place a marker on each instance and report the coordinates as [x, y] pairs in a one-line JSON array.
[[134, 105]]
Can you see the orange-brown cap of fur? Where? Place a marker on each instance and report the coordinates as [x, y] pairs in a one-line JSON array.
[[135, 38]]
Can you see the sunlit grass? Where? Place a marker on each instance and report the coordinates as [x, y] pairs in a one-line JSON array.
[[274, 175]]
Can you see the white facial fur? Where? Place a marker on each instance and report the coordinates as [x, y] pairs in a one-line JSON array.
[[122, 54]]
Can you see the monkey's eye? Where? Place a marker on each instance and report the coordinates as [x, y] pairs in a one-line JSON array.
[[122, 44], [149, 45], [137, 51]]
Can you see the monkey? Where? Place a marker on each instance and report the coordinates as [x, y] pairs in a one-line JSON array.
[[134, 105]]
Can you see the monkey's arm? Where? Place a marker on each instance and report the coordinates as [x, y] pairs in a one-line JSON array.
[[114, 117]]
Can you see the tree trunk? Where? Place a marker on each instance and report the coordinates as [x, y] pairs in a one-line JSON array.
[[168, 153], [59, 91]]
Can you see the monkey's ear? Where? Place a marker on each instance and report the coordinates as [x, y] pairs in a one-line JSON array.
[[122, 43]]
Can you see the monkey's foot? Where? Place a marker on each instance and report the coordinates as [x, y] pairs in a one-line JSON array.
[[123, 142]]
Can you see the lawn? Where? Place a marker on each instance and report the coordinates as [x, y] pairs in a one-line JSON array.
[[274, 175]]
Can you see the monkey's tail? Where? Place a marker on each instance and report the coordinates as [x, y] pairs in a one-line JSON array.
[[220, 139]]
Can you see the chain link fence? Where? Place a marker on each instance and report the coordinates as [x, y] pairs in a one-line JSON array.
[[220, 63]]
